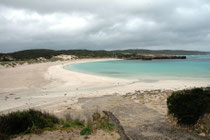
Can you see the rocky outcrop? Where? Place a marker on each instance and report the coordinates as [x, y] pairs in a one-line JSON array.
[[6, 58], [203, 125], [151, 57], [117, 125]]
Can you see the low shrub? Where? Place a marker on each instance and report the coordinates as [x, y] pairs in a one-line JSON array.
[[25, 122], [73, 124], [66, 125], [85, 131], [105, 125], [189, 105], [77, 123], [32, 121], [4, 137]]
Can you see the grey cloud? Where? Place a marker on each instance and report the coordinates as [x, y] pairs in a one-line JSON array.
[[106, 24]]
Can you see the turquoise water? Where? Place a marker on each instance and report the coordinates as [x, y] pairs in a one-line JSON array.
[[195, 66]]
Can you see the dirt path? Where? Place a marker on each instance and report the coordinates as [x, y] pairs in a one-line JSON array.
[[140, 120]]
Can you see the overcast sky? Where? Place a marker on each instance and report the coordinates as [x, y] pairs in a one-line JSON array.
[[104, 24]]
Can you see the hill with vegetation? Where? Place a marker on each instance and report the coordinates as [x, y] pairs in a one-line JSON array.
[[166, 52], [125, 54]]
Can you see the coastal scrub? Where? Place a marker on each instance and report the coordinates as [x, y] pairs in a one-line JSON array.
[[187, 106]]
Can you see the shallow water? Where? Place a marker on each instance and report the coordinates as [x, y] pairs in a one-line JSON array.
[[195, 66]]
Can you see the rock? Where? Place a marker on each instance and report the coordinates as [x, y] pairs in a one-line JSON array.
[[17, 98], [202, 127], [134, 97], [96, 117], [202, 134]]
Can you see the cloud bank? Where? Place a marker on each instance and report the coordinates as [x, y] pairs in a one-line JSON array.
[[104, 24]]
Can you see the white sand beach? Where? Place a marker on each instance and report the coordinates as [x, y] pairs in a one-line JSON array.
[[50, 87]]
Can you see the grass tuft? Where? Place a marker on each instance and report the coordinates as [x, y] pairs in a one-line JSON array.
[[85, 131], [66, 125]]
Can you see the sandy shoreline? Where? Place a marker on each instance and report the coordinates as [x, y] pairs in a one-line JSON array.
[[50, 87]]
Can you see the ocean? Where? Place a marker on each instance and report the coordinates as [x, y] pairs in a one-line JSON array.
[[195, 66]]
